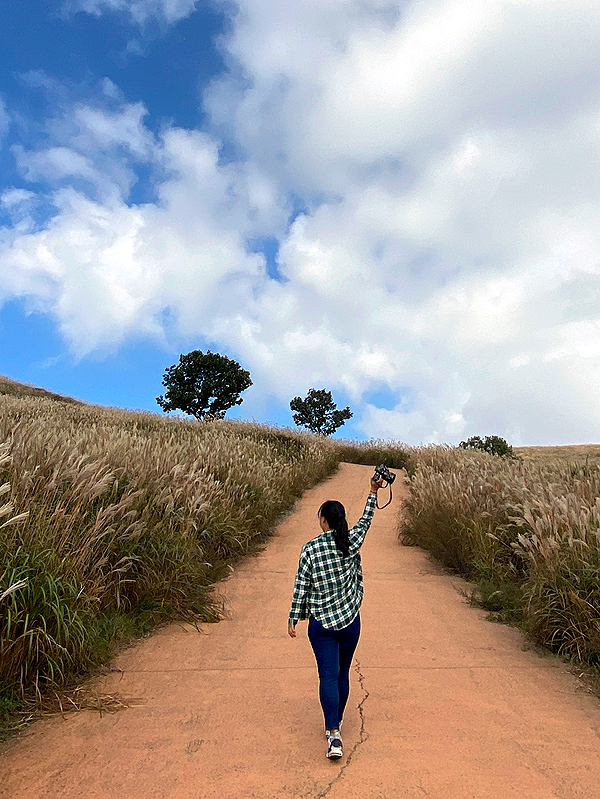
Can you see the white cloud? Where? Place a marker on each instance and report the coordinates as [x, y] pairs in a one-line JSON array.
[[459, 149], [99, 129], [140, 11], [94, 144], [54, 163], [446, 153], [106, 269]]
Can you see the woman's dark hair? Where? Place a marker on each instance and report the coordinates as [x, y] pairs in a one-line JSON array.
[[334, 514]]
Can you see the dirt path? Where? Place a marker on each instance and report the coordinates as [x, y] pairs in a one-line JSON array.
[[443, 703]]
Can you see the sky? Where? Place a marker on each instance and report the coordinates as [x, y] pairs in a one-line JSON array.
[[396, 201]]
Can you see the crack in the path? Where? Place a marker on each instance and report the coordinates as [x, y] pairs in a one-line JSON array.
[[363, 735]]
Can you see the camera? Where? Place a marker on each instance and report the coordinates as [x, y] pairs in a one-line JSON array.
[[383, 473]]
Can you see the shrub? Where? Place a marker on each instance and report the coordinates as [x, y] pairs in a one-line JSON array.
[[371, 453], [494, 445]]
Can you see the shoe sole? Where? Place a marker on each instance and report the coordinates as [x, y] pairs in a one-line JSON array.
[[335, 751]]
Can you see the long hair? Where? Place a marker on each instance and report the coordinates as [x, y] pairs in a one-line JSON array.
[[334, 514]]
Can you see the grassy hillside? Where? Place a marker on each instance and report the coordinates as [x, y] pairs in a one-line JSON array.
[[115, 521], [576, 453], [15, 389]]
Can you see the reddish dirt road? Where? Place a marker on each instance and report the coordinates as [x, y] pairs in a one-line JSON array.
[[443, 703]]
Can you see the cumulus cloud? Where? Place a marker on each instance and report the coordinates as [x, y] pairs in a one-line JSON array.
[[107, 269], [445, 156], [452, 147]]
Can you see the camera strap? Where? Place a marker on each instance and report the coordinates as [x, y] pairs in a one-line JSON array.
[[381, 507]]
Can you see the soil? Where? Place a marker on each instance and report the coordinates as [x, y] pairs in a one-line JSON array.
[[443, 703]]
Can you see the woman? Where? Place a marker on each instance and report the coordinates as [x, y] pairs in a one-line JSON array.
[[328, 591]]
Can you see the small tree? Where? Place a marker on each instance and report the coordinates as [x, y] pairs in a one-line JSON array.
[[203, 385], [492, 444], [317, 412]]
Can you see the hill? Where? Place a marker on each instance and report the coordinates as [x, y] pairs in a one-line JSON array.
[[578, 453], [14, 389]]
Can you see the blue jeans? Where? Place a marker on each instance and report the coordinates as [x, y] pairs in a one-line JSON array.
[[333, 651]]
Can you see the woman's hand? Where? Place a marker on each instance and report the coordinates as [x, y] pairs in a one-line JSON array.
[[292, 630], [375, 485]]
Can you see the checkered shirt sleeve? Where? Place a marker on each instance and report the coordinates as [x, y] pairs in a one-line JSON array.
[[301, 587], [357, 534]]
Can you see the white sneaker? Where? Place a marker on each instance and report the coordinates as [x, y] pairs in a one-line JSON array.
[[334, 750]]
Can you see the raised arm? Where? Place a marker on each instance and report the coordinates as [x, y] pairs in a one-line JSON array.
[[356, 534]]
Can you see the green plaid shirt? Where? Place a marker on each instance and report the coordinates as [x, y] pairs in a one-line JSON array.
[[329, 586]]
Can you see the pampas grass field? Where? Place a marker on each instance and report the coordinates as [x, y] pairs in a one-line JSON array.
[[526, 531], [112, 522], [582, 453]]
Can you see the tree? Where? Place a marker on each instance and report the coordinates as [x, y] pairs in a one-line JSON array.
[[317, 411], [203, 385], [492, 444]]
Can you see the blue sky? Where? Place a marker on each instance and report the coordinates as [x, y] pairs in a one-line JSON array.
[[165, 67], [393, 200]]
